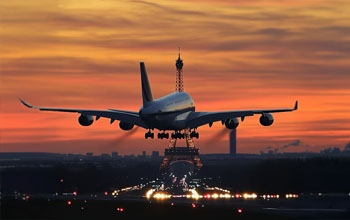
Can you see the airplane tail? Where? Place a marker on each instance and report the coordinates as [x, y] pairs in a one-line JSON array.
[[147, 96]]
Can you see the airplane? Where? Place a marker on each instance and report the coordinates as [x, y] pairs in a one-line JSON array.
[[174, 112]]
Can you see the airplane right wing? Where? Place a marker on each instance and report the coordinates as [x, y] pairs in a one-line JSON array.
[[197, 119]]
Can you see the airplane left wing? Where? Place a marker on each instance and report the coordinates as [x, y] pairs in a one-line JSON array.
[[197, 119], [113, 114]]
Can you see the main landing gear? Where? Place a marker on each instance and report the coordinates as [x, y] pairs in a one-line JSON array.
[[175, 135], [149, 134], [194, 134], [163, 135], [178, 135]]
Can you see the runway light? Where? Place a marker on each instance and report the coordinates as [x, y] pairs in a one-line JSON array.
[[75, 193], [161, 196], [215, 196], [69, 202], [249, 196], [193, 205], [120, 209], [239, 210], [106, 193], [172, 204]]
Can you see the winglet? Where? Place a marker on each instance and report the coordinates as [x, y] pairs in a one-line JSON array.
[[24, 103], [296, 105]]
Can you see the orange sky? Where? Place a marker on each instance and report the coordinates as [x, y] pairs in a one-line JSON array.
[[237, 55]]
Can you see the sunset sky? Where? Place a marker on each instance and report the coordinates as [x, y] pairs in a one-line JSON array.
[[238, 54]]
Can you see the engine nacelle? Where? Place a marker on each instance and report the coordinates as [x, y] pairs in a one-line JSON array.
[[231, 123], [86, 120], [266, 119], [125, 126]]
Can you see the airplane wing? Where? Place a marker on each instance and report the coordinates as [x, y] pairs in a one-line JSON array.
[[197, 119], [113, 114]]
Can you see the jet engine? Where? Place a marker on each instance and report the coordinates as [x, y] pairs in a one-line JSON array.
[[231, 123], [125, 126], [266, 119], [85, 120]]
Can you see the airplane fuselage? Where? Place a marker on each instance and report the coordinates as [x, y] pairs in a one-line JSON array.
[[169, 112]]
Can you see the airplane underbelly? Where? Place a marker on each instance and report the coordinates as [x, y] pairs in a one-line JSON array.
[[167, 122]]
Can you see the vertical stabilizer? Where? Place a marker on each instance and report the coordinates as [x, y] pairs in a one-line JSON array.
[[147, 96]]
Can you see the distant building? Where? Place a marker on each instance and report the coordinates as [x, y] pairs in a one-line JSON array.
[[89, 155], [105, 156], [155, 153], [144, 154], [233, 142], [114, 155]]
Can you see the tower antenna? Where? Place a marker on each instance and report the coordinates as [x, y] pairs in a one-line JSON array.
[[179, 74]]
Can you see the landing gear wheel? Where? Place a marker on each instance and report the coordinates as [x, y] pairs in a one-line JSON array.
[[149, 135]]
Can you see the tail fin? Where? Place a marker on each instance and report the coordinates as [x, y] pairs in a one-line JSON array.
[[146, 88]]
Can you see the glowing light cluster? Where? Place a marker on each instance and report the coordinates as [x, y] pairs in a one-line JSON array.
[[149, 193], [249, 196], [276, 196], [194, 195], [291, 196], [217, 189], [161, 196], [115, 193], [237, 196]]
